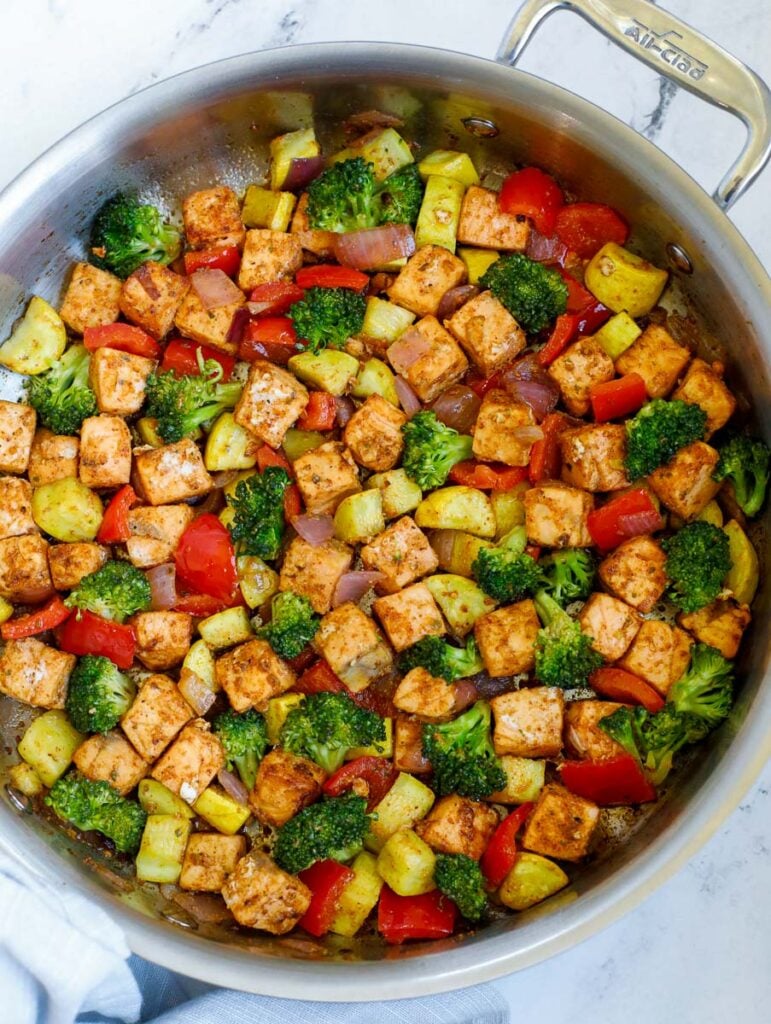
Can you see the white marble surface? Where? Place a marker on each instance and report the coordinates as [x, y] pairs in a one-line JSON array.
[[699, 949]]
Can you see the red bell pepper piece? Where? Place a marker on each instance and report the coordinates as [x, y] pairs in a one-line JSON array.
[[204, 605], [326, 879], [586, 227], [206, 560], [618, 781], [429, 916], [319, 678], [617, 398], [378, 773], [534, 194], [52, 614], [272, 337], [562, 334], [481, 385], [277, 296], [484, 476], [329, 275], [267, 456], [181, 356], [114, 528], [86, 633], [124, 338], [618, 684], [578, 296], [545, 458], [320, 413], [293, 503], [225, 257], [625, 516], [498, 859]]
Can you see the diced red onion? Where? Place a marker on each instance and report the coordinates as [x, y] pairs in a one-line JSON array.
[[302, 171], [442, 541], [542, 398], [527, 434], [632, 524], [407, 349], [163, 586], [457, 407], [144, 276], [214, 288], [314, 529], [233, 786], [225, 477], [453, 299], [238, 324], [352, 586], [196, 692], [465, 693], [345, 409], [545, 250], [409, 401], [203, 906], [374, 247]]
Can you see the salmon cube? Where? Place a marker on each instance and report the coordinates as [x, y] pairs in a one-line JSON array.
[[458, 825], [506, 639], [212, 218], [583, 736], [118, 380], [260, 895], [207, 326], [272, 400], [402, 553], [172, 473], [151, 296], [703, 385], [721, 625], [110, 758], [528, 723], [158, 713], [92, 298], [556, 515], [163, 638], [33, 672], [657, 357], [660, 654], [251, 674], [409, 616], [419, 693], [584, 364], [440, 361], [209, 859], [484, 224], [685, 485], [191, 762], [431, 272], [69, 563], [285, 784], [408, 746], [156, 532], [313, 571], [52, 457], [24, 574], [350, 642], [611, 624], [269, 256], [326, 475], [17, 429], [561, 824], [374, 434], [105, 452], [15, 507], [635, 573], [487, 333], [498, 429], [593, 457]]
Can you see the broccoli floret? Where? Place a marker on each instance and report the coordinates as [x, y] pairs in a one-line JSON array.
[[181, 404], [326, 725], [462, 756], [400, 196], [533, 294], [568, 574], [344, 197], [258, 512], [293, 624], [658, 431], [564, 656], [125, 234], [98, 695], [441, 659], [505, 572], [698, 559], [461, 879], [706, 689], [244, 739], [115, 591], [431, 449], [62, 396], [334, 829], [327, 317], [96, 806], [744, 461], [653, 739]]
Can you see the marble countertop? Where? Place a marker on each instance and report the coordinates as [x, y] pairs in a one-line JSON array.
[[698, 949]]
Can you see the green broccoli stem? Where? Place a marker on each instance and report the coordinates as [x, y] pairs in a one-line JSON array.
[[549, 611]]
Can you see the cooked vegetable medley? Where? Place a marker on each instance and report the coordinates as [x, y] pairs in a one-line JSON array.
[[361, 543]]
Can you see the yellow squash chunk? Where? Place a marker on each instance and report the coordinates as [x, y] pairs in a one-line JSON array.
[[399, 494], [406, 802], [461, 601], [406, 864], [298, 442], [457, 550], [477, 261], [257, 580], [439, 213], [221, 811], [711, 513], [155, 798], [229, 446], [387, 152], [509, 509], [385, 320], [147, 428], [284, 149], [524, 780], [359, 517], [48, 745], [375, 378], [330, 370], [744, 574], [358, 898], [37, 342], [532, 879], [617, 334], [67, 510], [623, 281], [162, 849], [264, 208], [384, 748], [226, 629], [24, 778], [450, 163], [457, 508], [199, 659], [277, 710], [6, 610]]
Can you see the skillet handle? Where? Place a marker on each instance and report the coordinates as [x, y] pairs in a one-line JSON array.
[[681, 54]]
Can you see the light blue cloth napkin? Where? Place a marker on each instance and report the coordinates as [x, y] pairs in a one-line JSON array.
[[64, 961]]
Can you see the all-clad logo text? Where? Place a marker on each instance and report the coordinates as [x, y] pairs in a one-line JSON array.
[[667, 46]]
